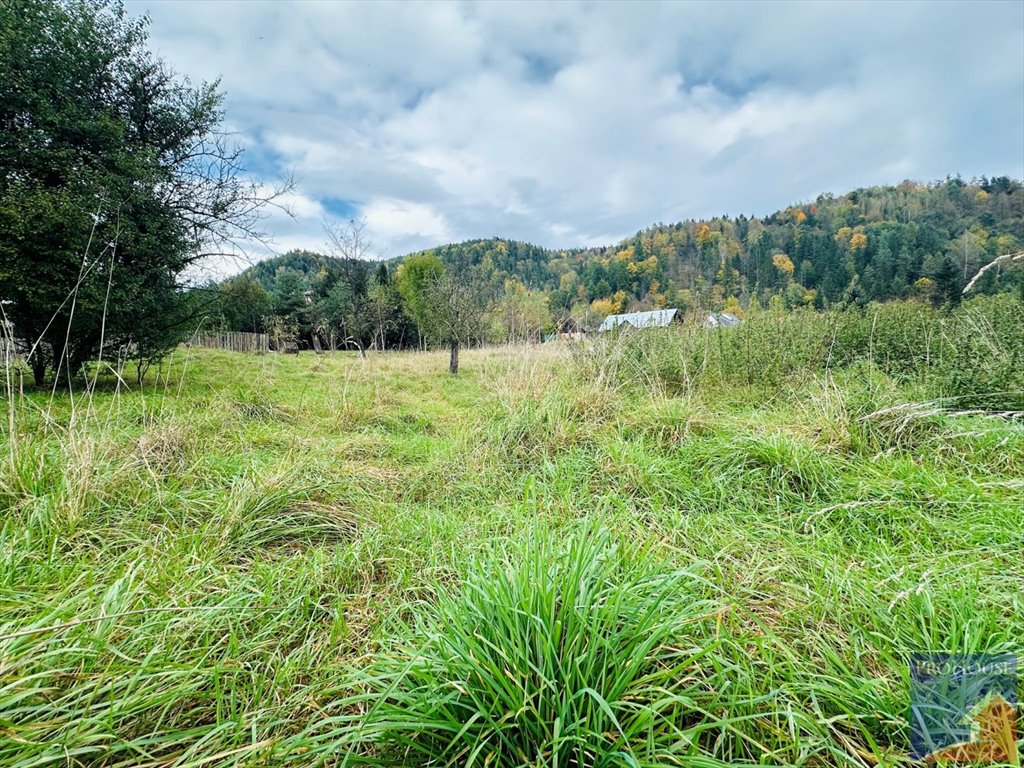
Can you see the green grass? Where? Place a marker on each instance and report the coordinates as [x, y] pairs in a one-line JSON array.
[[297, 560], [574, 654]]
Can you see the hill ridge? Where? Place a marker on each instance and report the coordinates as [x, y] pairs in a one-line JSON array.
[[872, 243]]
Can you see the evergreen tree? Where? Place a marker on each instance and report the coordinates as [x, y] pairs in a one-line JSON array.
[[114, 179], [948, 282]]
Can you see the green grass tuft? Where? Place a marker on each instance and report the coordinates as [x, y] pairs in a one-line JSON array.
[[585, 652]]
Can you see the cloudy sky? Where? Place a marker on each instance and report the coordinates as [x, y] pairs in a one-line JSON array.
[[570, 124]]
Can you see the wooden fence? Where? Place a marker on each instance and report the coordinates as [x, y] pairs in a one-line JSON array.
[[12, 349], [234, 341]]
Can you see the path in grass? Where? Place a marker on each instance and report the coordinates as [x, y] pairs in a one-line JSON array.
[[188, 573]]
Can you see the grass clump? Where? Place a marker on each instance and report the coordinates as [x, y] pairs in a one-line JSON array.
[[573, 654], [256, 406]]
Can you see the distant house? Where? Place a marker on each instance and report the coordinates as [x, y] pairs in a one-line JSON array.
[[659, 318], [721, 320], [570, 329]]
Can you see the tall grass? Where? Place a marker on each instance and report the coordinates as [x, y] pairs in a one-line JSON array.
[[281, 561], [973, 355]]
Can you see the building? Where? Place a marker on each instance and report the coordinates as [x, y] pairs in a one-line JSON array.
[[721, 320], [658, 318], [570, 329]]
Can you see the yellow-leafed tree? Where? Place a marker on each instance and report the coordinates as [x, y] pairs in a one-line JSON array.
[[783, 263]]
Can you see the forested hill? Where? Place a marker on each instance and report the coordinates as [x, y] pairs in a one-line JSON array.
[[306, 263], [878, 243], [870, 244]]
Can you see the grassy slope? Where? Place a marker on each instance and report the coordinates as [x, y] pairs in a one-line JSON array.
[[253, 536]]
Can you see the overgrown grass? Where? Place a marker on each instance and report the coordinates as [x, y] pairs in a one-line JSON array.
[[582, 653], [972, 356], [551, 559]]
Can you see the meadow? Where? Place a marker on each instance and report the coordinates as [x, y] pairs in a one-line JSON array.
[[683, 547]]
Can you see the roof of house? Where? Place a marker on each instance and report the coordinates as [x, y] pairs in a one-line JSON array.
[[658, 318], [723, 319]]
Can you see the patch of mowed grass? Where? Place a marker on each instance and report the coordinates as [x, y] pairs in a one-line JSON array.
[[220, 569]]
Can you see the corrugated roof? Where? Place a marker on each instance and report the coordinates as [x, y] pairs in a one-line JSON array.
[[721, 320], [658, 318]]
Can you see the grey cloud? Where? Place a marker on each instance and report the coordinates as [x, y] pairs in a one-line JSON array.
[[574, 123]]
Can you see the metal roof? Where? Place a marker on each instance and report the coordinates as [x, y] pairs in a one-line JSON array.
[[721, 320], [658, 318]]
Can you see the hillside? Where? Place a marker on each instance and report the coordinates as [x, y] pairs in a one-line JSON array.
[[921, 241], [306, 263], [870, 244]]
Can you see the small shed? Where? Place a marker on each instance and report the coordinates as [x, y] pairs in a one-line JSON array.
[[721, 320], [658, 318]]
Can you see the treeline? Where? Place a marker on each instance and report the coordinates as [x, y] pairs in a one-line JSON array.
[[875, 244], [914, 240], [314, 300], [450, 296]]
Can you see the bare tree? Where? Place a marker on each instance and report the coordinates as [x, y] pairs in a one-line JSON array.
[[350, 244], [1007, 258], [460, 306], [349, 240]]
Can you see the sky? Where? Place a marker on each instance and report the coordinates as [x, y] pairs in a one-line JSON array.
[[575, 124]]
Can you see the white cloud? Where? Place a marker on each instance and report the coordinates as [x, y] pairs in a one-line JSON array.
[[297, 205], [398, 226], [571, 124]]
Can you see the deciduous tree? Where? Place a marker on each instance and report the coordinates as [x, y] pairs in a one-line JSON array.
[[448, 303]]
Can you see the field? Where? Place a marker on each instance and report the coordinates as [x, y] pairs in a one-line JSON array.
[[558, 557]]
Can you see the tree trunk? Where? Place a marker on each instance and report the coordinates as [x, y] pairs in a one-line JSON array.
[[39, 369], [453, 363]]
